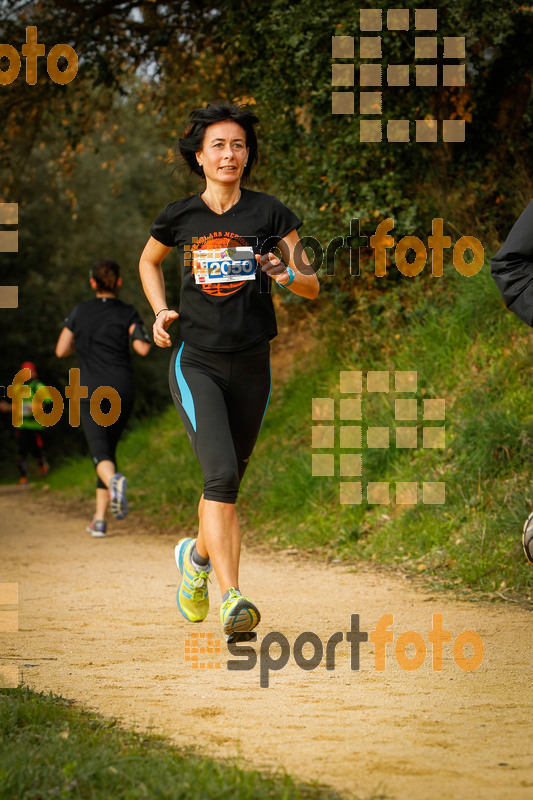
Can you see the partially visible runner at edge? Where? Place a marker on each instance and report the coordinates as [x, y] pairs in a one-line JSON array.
[[28, 434], [512, 270], [99, 331], [220, 367]]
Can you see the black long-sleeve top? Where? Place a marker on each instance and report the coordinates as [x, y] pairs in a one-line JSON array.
[[512, 267]]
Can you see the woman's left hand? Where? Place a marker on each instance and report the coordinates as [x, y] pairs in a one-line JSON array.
[[274, 267]]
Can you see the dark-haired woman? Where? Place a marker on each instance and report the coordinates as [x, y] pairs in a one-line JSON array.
[[220, 368], [99, 331]]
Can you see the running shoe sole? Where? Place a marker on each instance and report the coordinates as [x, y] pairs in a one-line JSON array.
[[527, 538], [239, 623], [117, 496], [243, 636]]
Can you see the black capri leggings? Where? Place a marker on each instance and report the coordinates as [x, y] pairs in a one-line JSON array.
[[103, 440], [221, 399]]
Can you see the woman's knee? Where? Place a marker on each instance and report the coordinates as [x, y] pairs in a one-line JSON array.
[[223, 484]]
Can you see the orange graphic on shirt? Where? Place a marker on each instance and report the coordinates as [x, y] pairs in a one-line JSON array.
[[213, 241]]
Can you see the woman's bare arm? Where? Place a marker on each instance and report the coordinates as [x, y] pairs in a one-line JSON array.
[[153, 284]]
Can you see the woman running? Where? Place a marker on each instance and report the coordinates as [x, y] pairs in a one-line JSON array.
[[220, 368], [99, 331]]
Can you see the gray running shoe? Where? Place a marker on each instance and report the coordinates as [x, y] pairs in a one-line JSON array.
[[97, 528], [117, 496]]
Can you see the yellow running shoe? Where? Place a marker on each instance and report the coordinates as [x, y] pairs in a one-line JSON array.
[[192, 595], [239, 616]]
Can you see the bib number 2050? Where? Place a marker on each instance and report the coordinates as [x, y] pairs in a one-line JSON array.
[[225, 265]]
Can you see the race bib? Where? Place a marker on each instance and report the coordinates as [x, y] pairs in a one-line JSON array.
[[225, 265]]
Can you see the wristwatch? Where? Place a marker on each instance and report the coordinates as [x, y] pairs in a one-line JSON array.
[[291, 277]]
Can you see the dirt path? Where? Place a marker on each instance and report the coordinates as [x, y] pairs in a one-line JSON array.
[[98, 622]]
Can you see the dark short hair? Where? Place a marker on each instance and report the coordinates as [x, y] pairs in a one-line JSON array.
[[200, 118], [106, 274]]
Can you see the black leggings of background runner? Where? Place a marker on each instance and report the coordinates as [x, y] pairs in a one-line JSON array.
[[29, 442], [103, 440]]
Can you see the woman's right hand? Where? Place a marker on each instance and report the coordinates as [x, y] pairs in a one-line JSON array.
[[162, 323]]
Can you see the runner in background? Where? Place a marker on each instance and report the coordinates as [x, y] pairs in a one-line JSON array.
[[220, 368], [512, 270], [99, 331], [29, 434]]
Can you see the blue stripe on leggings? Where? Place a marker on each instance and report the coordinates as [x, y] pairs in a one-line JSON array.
[[268, 398], [186, 396]]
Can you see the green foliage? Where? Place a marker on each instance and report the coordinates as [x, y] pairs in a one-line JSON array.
[[331, 177], [98, 205]]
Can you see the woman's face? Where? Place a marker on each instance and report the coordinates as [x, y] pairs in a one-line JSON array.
[[224, 152]]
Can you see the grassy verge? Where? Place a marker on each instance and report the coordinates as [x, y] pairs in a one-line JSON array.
[[51, 750], [466, 349]]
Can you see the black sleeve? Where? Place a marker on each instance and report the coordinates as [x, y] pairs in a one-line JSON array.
[[69, 321], [282, 219], [139, 332], [512, 267], [161, 229]]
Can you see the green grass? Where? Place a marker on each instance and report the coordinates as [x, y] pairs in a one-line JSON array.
[[465, 348], [48, 749]]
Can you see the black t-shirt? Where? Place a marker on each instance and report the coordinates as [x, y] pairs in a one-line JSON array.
[[101, 337], [225, 316]]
